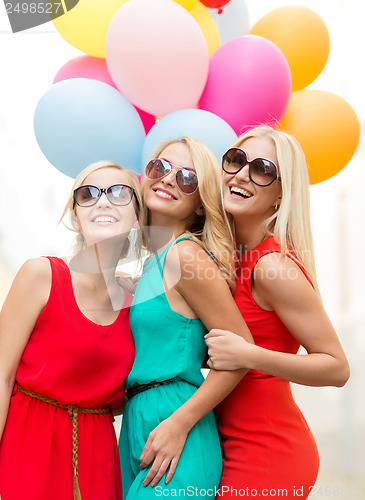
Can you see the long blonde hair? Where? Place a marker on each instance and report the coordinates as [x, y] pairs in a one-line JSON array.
[[290, 224], [69, 209], [210, 230]]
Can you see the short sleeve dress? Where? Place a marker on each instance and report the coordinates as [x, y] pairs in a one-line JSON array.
[[72, 360]]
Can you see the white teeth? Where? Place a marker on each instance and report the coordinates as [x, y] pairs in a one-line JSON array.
[[104, 218], [240, 192], [163, 194]]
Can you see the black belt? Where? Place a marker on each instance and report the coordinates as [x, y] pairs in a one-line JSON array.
[[144, 387]]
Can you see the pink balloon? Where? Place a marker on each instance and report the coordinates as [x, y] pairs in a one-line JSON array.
[[147, 119], [157, 55], [140, 179], [249, 83], [85, 67], [96, 69]]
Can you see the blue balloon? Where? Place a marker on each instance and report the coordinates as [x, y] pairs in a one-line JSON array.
[[233, 21], [207, 127], [80, 121]]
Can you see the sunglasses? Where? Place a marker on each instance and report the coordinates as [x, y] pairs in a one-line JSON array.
[[261, 172], [118, 194], [186, 180]]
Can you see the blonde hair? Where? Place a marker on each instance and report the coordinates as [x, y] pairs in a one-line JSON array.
[[290, 224], [210, 230], [69, 209]]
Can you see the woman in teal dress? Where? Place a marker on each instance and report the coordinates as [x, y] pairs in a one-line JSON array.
[[169, 444]]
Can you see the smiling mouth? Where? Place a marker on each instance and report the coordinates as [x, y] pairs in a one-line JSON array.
[[103, 219], [163, 194], [240, 192]]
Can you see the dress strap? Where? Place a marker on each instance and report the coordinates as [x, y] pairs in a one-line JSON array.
[[160, 257], [250, 258], [191, 239]]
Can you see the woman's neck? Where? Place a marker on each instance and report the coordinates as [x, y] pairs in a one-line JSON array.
[[248, 236], [99, 261], [163, 229]]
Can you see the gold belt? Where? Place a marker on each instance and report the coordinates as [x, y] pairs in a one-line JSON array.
[[73, 412]]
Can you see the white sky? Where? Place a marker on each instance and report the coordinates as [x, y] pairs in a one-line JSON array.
[[33, 192]]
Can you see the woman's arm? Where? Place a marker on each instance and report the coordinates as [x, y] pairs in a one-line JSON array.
[[281, 286], [26, 299], [207, 293]]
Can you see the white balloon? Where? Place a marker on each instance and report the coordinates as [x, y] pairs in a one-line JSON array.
[[233, 21]]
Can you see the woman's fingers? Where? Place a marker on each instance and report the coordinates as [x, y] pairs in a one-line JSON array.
[[172, 469], [146, 455], [214, 332], [157, 470]]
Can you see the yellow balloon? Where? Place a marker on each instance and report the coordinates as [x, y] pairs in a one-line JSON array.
[[326, 127], [303, 38], [208, 26], [187, 4], [86, 25]]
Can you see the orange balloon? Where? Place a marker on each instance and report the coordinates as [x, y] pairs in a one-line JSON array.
[[326, 127], [303, 38]]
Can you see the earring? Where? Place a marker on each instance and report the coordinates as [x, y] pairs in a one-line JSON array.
[[276, 205]]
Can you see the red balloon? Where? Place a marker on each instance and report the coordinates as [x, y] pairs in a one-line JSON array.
[[214, 4]]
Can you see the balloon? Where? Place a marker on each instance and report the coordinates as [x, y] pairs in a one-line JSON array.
[[95, 68], [147, 119], [209, 28], [85, 67], [85, 26], [214, 132], [233, 21], [302, 36], [187, 4], [157, 55], [248, 83], [214, 4], [80, 121], [327, 129]]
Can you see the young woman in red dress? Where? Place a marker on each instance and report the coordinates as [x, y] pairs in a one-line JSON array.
[[268, 448], [65, 351]]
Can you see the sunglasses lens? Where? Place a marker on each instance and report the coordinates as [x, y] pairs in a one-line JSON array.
[[187, 181], [119, 194], [234, 160], [263, 172], [86, 196], [156, 169]]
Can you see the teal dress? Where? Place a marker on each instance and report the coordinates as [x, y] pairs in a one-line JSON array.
[[168, 345]]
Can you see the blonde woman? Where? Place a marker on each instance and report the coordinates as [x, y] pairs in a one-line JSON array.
[[268, 449], [169, 441], [65, 351]]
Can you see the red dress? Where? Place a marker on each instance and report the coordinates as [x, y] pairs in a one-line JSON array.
[[268, 448], [72, 360]]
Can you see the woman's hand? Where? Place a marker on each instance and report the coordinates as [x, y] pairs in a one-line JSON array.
[[164, 446], [127, 281], [228, 351]]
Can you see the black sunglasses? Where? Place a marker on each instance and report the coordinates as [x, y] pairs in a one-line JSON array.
[[118, 194], [262, 172], [186, 180]]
